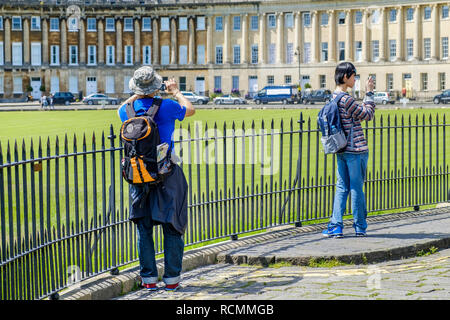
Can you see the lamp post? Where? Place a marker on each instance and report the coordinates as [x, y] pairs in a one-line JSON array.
[[297, 53]]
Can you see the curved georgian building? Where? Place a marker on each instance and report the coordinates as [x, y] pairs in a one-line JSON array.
[[228, 45]]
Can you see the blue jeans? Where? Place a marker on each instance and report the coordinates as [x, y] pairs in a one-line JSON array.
[[350, 178], [173, 252]]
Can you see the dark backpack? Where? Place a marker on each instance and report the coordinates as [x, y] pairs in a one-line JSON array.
[[329, 123], [140, 138]]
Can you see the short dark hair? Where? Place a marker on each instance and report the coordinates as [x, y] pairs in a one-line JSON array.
[[343, 68]]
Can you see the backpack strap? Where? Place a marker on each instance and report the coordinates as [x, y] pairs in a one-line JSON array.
[[131, 113], [154, 108]]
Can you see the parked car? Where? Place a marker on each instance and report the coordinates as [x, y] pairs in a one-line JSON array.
[[63, 98], [444, 97], [283, 94], [99, 98], [195, 98], [229, 99], [322, 95], [383, 98]]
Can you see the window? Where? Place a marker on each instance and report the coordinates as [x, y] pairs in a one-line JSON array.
[[290, 53], [424, 81], [146, 24], [270, 80], [128, 55], [389, 82], [272, 52], [126, 87], [147, 55], [427, 48], [236, 23], [287, 79], [374, 77], [392, 49], [183, 52], [110, 24], [54, 55], [409, 49], [324, 51], [307, 52], [375, 50], [235, 83], [16, 25], [219, 55], [358, 17], [324, 19], [375, 17], [2, 86], [54, 84], [444, 12], [110, 55], [54, 24], [392, 15], [409, 14], [217, 83], [200, 54], [341, 48], [36, 54], [182, 23], [358, 51], [73, 55], [445, 48], [92, 55], [442, 81], [253, 23], [322, 81], [91, 24], [201, 23], [2, 60], [341, 17], [165, 55], [306, 19], [427, 13], [1, 23], [35, 23], [219, 23], [271, 21], [17, 84], [236, 54], [254, 54], [17, 53], [289, 20], [109, 84], [73, 84], [127, 24]]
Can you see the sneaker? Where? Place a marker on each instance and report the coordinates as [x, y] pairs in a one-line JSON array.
[[150, 286], [172, 287], [361, 234], [335, 232]]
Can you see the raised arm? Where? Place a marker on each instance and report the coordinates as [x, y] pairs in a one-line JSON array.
[[172, 88]]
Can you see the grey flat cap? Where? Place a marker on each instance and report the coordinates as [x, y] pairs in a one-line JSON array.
[[145, 81]]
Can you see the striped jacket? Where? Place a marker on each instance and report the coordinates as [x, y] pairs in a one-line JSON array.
[[352, 114]]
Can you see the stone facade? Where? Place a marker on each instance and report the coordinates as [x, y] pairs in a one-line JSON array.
[[208, 44]]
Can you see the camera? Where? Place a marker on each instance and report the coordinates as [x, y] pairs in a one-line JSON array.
[[163, 87]]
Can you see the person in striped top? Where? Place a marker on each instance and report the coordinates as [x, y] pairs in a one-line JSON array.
[[352, 160]]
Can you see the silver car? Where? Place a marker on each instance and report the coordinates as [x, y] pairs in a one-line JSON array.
[[229, 99], [99, 98], [383, 98], [195, 98]]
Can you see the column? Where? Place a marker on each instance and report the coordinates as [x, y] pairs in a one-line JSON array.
[[7, 22], [209, 39], [298, 32], [63, 49], [191, 49], [262, 38], [26, 40], [82, 41], [435, 34], [417, 33], [349, 40], [366, 39], [400, 34], [119, 47], [315, 37], [280, 38], [101, 40], [245, 55], [173, 40], [226, 45], [137, 41], [384, 36], [44, 21], [155, 33], [332, 36]]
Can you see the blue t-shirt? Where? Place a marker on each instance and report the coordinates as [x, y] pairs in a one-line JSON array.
[[168, 112]]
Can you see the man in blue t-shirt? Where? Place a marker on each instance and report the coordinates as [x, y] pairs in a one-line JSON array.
[[166, 204]]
